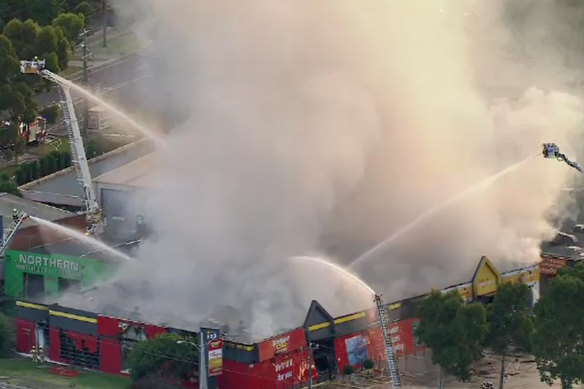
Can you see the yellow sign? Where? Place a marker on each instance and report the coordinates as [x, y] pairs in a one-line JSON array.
[[526, 275], [486, 278]]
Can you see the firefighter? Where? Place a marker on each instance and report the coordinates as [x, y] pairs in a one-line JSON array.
[[41, 354], [33, 352]]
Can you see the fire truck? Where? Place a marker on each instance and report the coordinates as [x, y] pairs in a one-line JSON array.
[[34, 132]]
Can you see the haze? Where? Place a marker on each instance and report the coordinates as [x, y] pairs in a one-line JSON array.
[[322, 127]]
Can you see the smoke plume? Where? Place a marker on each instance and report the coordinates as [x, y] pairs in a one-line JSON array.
[[326, 126]]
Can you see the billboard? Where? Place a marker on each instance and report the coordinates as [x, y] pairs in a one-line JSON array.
[[215, 357], [550, 265], [212, 338], [282, 344], [357, 349]]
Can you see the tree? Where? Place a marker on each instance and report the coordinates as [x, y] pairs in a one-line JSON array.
[[558, 339], [8, 60], [52, 113], [163, 356], [43, 11], [72, 26], [19, 146], [454, 331], [47, 39], [510, 322]]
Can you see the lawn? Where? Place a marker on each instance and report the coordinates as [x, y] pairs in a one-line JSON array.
[[17, 371], [119, 44]]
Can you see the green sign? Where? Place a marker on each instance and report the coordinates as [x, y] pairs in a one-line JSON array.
[[53, 268], [47, 265]]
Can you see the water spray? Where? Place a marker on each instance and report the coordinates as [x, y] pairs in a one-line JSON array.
[[381, 310], [83, 238], [487, 182]]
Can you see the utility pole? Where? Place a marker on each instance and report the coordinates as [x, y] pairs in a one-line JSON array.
[[202, 367], [85, 131], [104, 10], [309, 365]]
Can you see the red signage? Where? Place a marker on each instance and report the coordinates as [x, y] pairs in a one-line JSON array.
[[549, 265], [281, 344], [215, 357]]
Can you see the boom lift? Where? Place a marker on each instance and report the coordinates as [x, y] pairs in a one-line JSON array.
[[94, 214]]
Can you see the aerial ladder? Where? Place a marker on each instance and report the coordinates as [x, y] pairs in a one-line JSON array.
[[18, 217], [94, 214], [391, 360]]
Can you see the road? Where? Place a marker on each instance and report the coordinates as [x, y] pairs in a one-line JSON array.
[[120, 82], [104, 77]]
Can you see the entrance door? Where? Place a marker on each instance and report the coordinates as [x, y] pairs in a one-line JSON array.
[[34, 286], [324, 359]]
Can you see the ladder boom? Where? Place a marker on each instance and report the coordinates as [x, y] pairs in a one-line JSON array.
[[95, 219], [391, 361], [10, 232]]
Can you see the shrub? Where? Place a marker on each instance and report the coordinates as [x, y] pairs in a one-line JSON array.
[[52, 113], [348, 370], [368, 364]]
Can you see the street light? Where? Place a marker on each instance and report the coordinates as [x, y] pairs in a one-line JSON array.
[[201, 359], [187, 342]]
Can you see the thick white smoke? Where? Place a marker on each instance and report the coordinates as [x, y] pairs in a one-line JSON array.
[[326, 126]]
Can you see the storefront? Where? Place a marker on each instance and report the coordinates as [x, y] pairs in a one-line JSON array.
[[34, 276], [280, 362]]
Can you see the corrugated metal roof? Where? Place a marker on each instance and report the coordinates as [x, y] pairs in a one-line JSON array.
[[134, 174], [9, 202], [65, 181]]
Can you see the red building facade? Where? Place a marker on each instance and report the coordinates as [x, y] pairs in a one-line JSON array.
[[102, 343]]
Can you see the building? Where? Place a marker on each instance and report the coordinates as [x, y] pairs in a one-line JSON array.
[[63, 189], [101, 342], [116, 188], [38, 276]]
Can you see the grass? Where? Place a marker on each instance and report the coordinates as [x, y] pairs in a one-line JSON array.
[[71, 70], [18, 371], [117, 45]]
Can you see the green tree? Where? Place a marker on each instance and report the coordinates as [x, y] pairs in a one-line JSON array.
[[47, 40], [43, 11], [167, 355], [558, 339], [510, 322], [63, 48], [454, 331], [52, 62], [85, 8], [9, 63], [52, 113], [72, 25]]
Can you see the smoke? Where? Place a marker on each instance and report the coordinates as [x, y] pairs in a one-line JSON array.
[[326, 126]]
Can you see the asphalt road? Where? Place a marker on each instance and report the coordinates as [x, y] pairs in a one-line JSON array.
[[120, 82], [108, 77]]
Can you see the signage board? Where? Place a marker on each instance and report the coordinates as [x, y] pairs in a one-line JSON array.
[[549, 265], [215, 357], [46, 264], [214, 351], [282, 344]]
